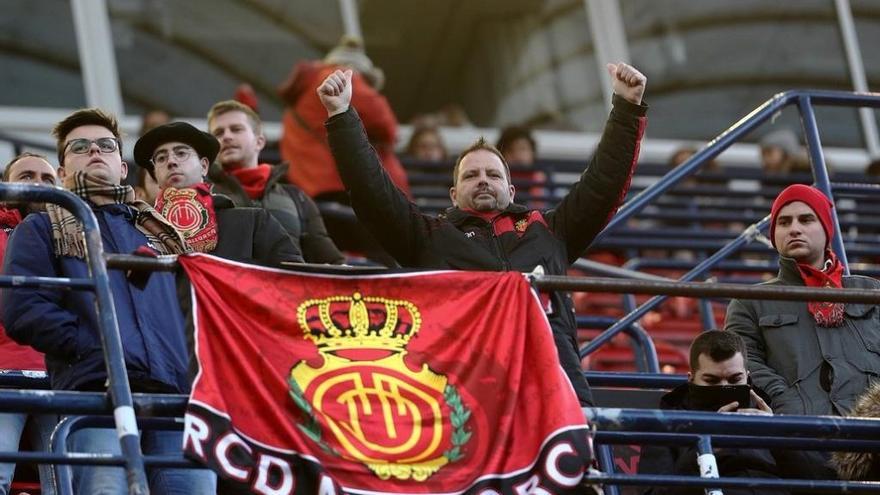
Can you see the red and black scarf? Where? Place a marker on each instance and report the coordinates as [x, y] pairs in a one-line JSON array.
[[826, 314], [191, 211]]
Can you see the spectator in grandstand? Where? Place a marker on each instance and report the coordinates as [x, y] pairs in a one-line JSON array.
[[781, 153], [304, 139], [426, 145], [717, 359], [152, 119], [26, 168], [812, 358], [485, 230], [64, 326], [177, 156], [862, 466], [238, 174], [520, 150], [873, 169]]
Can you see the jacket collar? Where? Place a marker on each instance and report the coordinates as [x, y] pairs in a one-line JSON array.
[[217, 175], [458, 216], [788, 271]]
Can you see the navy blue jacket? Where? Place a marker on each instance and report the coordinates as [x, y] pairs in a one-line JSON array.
[[63, 324]]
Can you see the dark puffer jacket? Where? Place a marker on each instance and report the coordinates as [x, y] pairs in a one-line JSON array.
[[518, 239]]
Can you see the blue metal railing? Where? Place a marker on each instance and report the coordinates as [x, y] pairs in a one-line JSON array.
[[687, 428], [120, 392], [804, 99]]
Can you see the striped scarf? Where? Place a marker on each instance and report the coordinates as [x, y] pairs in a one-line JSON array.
[[68, 235]]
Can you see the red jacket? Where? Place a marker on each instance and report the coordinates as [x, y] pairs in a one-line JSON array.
[[304, 139], [12, 355]]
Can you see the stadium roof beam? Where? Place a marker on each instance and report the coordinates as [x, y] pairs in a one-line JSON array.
[[91, 21], [609, 38]]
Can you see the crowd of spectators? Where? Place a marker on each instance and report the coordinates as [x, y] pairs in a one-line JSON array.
[[338, 149]]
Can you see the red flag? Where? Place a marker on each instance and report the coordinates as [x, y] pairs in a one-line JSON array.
[[440, 382]]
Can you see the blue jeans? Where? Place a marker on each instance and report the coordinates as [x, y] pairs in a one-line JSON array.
[[95, 480], [39, 429]]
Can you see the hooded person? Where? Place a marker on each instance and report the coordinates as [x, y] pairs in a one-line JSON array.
[[304, 139], [177, 156]]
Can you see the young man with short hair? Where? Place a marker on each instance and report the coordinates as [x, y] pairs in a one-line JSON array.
[[717, 359], [239, 175], [64, 326]]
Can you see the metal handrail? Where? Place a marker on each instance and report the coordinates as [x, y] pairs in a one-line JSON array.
[[119, 389]]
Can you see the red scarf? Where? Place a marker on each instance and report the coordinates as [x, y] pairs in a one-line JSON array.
[[253, 180], [826, 314], [9, 217], [191, 211]]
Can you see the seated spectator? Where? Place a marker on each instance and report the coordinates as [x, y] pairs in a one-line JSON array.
[[519, 148], [717, 359], [238, 174], [426, 145], [861, 466], [26, 168], [64, 325], [178, 155], [781, 153], [304, 139]]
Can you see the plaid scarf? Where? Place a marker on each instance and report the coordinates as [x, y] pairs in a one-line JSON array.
[[826, 314], [67, 232]]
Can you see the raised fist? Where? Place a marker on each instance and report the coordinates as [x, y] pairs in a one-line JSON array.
[[335, 92], [627, 82]]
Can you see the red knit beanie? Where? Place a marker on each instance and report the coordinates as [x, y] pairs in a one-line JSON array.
[[813, 198]]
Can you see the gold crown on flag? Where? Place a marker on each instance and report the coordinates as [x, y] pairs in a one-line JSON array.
[[358, 322]]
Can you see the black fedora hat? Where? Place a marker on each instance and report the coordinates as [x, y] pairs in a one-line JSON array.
[[205, 144]]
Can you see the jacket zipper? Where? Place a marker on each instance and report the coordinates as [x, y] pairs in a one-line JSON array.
[[505, 263]]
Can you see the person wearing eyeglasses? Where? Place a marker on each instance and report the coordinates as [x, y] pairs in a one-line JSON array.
[[64, 325], [177, 156]]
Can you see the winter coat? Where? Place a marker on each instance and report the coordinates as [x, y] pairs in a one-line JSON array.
[[518, 239], [296, 212], [805, 368], [304, 140], [64, 325], [680, 460], [251, 235]]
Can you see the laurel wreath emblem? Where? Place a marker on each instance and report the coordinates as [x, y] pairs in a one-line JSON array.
[[459, 417]]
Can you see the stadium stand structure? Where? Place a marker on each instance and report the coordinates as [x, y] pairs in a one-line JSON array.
[[613, 313]]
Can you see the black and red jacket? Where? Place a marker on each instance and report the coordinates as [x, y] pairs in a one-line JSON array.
[[517, 239]]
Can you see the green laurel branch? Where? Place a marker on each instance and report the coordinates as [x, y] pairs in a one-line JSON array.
[[459, 419]]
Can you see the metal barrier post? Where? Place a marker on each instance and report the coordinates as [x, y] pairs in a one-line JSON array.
[[120, 391], [707, 463], [820, 171], [605, 456]]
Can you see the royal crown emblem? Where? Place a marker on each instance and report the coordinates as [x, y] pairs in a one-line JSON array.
[[400, 419]]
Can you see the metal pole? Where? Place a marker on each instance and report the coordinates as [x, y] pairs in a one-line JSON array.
[[94, 40], [351, 22], [609, 40], [820, 171], [857, 73], [707, 462], [605, 456]]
